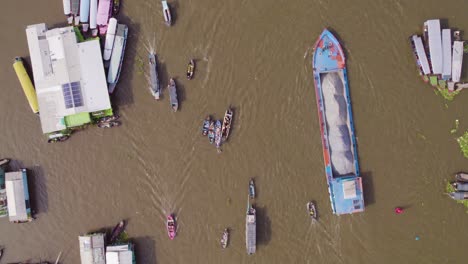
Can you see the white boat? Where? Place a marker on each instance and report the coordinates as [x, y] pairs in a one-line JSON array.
[[84, 14], [110, 37], [67, 10], [457, 60], [166, 13], [251, 230], [93, 17], [75, 11], [117, 56], [420, 55], [446, 54]]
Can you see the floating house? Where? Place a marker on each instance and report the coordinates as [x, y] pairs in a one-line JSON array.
[[92, 249], [69, 76], [457, 60], [337, 126], [435, 44], [120, 254], [19, 207], [447, 54]]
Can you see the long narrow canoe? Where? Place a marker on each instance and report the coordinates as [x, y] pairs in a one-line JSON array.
[[154, 80], [337, 126]]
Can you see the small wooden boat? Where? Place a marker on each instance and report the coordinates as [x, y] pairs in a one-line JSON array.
[[108, 118], [118, 229], [116, 7], [218, 136], [206, 125], [154, 79], [458, 195], [171, 226], [166, 13], [190, 69], [173, 95], [226, 124], [460, 186], [461, 176], [251, 188], [225, 238], [109, 124], [211, 132], [250, 229], [312, 211]]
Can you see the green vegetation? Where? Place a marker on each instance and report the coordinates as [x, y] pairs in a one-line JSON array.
[[449, 188], [463, 142], [446, 94], [465, 47]]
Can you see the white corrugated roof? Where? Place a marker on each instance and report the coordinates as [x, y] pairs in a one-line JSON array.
[[435, 45], [120, 254], [446, 53], [92, 249], [69, 76], [16, 195], [457, 60], [349, 189]]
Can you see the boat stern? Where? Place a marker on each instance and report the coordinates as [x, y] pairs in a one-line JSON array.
[[347, 196]]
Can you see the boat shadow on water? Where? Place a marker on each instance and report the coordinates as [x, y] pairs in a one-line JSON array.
[[124, 94], [263, 226], [144, 249], [368, 186], [37, 186]]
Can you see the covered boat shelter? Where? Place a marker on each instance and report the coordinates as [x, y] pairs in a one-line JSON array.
[[69, 77], [92, 249], [19, 207]]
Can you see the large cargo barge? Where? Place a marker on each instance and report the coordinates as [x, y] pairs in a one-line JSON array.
[[337, 126]]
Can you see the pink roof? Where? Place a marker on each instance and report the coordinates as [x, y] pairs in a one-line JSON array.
[[103, 12]]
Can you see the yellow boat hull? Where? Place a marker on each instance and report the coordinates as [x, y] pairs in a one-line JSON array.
[[26, 83]]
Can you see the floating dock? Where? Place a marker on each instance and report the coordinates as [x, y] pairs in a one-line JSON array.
[[337, 126]]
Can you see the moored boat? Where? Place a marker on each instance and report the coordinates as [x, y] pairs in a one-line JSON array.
[[460, 186], [190, 69], [461, 176], [116, 61], [458, 195], [211, 132], [173, 95], [206, 125], [116, 7], [118, 229], [251, 229], [218, 135], [75, 11], [166, 13], [154, 80], [103, 13], [226, 124], [26, 84], [420, 56], [171, 226], [109, 124], [337, 126], [110, 37], [67, 10], [108, 118], [311, 210], [4, 161], [84, 14], [251, 188], [225, 238]]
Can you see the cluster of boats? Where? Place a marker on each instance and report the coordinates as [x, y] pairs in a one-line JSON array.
[[460, 186], [218, 132], [108, 121]]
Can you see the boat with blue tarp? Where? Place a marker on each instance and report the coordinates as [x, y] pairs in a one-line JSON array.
[[337, 126]]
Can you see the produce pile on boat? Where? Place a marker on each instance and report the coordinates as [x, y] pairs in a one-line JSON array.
[[439, 57], [217, 130], [459, 188]]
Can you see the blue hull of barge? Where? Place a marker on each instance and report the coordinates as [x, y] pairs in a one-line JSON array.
[[346, 193]]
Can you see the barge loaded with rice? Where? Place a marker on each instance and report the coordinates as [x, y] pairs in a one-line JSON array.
[[337, 126]]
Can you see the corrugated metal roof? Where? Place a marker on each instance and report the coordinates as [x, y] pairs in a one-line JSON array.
[[418, 44], [17, 195], [121, 254], [446, 54], [92, 249], [64, 69], [457, 60], [435, 45]]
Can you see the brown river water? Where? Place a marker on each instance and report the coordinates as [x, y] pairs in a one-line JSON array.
[[255, 56]]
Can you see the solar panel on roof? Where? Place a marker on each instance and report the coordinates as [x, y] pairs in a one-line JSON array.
[[72, 94]]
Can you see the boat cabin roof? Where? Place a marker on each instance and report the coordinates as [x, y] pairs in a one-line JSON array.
[[347, 195], [435, 45], [92, 249], [121, 254], [16, 185]]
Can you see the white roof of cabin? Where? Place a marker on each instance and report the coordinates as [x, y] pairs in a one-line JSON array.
[[435, 45]]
